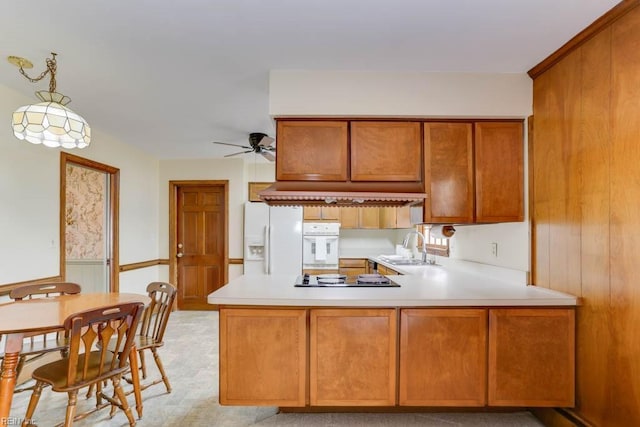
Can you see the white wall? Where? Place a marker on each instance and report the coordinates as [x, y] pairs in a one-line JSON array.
[[259, 172], [450, 95], [29, 194], [353, 93], [29, 190]]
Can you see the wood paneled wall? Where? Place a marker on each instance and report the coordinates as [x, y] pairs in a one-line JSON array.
[[586, 211]]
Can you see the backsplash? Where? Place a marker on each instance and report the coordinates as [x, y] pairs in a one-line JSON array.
[[364, 243]]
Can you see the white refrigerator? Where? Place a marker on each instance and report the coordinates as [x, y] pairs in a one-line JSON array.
[[272, 239]]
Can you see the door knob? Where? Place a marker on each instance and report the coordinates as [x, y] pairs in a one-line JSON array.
[[179, 254]]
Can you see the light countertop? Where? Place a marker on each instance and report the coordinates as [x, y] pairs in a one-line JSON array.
[[426, 286]]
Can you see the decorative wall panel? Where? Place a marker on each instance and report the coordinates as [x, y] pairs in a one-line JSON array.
[[84, 213]]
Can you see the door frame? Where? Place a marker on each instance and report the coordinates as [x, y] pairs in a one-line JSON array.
[[112, 234], [174, 186]]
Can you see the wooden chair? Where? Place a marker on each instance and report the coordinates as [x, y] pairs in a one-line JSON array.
[[152, 326], [37, 345], [89, 363], [44, 290], [150, 336]]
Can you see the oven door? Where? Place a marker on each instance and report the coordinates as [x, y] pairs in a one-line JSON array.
[[320, 252]]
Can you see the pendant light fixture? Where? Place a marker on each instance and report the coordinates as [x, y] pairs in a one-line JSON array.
[[49, 122]]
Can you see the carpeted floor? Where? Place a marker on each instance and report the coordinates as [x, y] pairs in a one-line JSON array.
[[190, 357]]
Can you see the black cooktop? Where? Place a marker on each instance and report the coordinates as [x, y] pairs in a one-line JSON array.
[[343, 281]]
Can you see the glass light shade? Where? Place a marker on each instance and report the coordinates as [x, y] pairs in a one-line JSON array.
[[52, 124]]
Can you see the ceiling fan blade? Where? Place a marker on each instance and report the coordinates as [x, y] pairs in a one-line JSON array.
[[266, 141], [268, 155], [233, 145], [241, 152]]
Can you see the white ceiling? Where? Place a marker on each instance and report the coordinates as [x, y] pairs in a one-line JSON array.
[[169, 76]]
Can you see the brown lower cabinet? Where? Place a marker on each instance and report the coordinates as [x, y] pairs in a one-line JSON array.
[[532, 357], [352, 357], [353, 267], [263, 357], [458, 356], [386, 270], [443, 357]]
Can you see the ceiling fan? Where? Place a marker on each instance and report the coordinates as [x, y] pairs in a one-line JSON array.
[[260, 143]]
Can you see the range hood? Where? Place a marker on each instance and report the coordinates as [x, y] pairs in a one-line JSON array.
[[298, 193]]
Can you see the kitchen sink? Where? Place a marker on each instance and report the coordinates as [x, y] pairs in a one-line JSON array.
[[407, 262], [403, 260]]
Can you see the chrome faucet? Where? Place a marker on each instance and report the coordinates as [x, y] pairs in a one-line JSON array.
[[405, 244]]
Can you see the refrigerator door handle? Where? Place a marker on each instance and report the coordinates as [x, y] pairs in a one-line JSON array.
[[267, 249]]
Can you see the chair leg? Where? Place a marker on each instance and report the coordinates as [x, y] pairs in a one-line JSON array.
[[33, 402], [165, 379], [123, 401], [112, 411], [89, 391], [71, 408], [143, 365], [135, 380]]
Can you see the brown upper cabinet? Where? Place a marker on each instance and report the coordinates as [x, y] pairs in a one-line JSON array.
[[474, 172], [471, 170], [344, 150], [448, 164], [321, 213], [395, 217], [499, 171], [351, 217], [312, 150], [385, 151]]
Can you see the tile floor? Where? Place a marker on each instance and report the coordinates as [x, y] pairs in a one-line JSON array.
[[190, 356]]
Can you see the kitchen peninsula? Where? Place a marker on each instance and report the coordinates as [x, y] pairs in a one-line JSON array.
[[443, 338]]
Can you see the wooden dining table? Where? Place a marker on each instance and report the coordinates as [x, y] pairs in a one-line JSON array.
[[18, 318]]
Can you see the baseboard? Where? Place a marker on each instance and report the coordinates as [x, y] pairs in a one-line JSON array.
[[557, 417]]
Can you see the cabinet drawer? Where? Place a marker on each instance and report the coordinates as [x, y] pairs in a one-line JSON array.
[[353, 262]]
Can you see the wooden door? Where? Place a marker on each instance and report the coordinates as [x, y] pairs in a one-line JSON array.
[[201, 243], [448, 161]]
